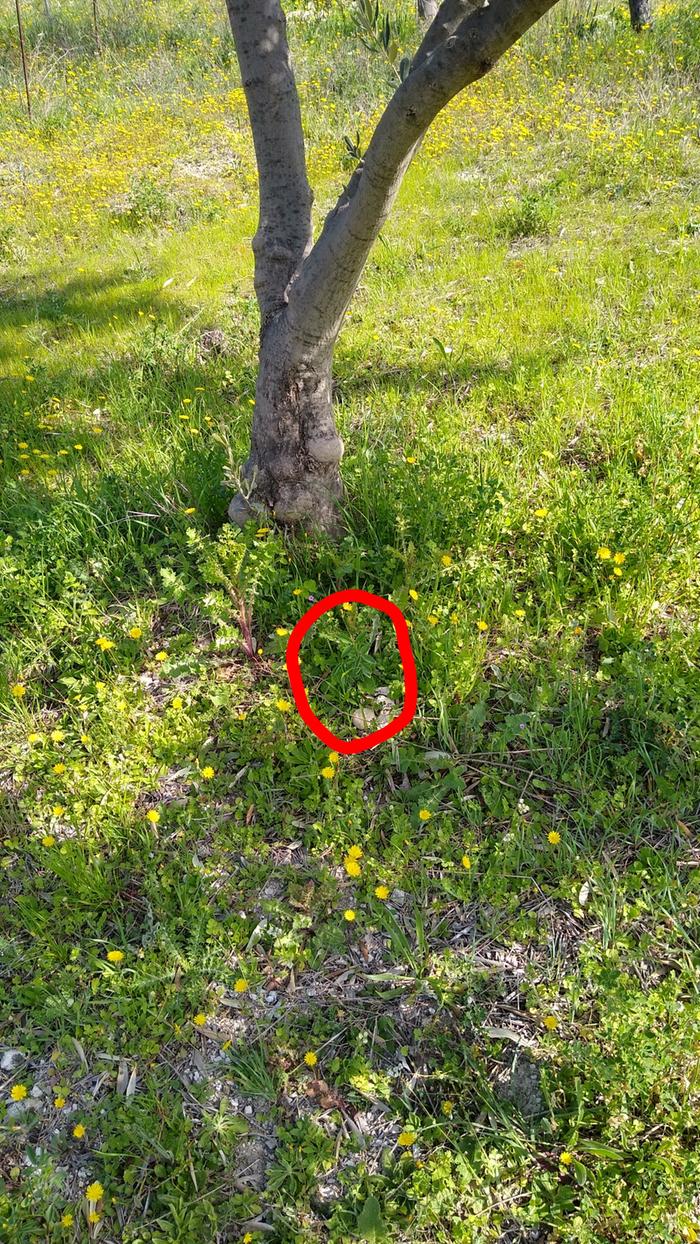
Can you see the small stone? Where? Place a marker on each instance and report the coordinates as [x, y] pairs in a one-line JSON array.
[[17, 1109], [271, 997], [11, 1059]]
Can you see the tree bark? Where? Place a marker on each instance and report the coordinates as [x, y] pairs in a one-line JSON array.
[[304, 289], [640, 14], [292, 470], [427, 11]]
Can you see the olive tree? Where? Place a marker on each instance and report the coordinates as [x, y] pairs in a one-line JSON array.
[[304, 286]]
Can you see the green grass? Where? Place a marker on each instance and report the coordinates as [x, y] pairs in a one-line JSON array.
[[518, 388]]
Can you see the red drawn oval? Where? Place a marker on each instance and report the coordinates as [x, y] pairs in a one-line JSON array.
[[351, 747]]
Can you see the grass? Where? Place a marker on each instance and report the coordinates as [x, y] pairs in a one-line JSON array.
[[503, 1044]]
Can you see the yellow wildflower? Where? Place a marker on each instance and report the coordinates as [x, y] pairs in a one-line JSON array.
[[79, 1131], [284, 706], [18, 690], [349, 915], [382, 892], [328, 772], [310, 1058], [135, 632], [115, 956], [18, 1092], [352, 867], [424, 815], [554, 838], [153, 816], [604, 553], [207, 773], [406, 1139], [240, 985], [551, 1022], [95, 1191]]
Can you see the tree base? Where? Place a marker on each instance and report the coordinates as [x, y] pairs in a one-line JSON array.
[[304, 506]]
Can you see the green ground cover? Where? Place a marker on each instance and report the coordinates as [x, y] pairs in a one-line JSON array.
[[446, 990]]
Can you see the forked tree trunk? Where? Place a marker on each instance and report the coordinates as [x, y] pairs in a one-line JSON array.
[[304, 288], [640, 14]]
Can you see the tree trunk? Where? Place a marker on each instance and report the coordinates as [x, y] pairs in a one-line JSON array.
[[640, 13], [293, 467], [304, 287], [427, 11]]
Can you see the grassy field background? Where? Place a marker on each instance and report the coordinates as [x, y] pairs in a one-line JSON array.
[[446, 991]]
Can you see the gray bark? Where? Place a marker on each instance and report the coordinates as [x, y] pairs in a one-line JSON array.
[[427, 11], [640, 13], [304, 289]]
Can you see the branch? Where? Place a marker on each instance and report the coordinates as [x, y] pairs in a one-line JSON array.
[[474, 42], [284, 234]]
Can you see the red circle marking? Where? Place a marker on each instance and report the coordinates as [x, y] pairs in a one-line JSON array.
[[410, 699]]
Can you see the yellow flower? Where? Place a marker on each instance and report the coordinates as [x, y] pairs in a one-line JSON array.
[[310, 1058], [207, 773], [424, 815], [57, 809], [18, 690], [566, 1158], [466, 862], [406, 1139], [617, 570], [433, 619], [355, 853], [18, 1092], [446, 559], [115, 956], [447, 1108], [604, 553], [554, 838], [199, 1019], [48, 841], [551, 1022], [240, 985], [104, 644], [296, 591], [57, 736], [381, 891], [333, 757], [79, 1131], [161, 656], [520, 613], [349, 915], [619, 558], [248, 1238], [191, 509], [59, 768], [153, 816], [411, 461], [413, 593], [283, 705], [95, 1192], [328, 772], [347, 606], [281, 630], [542, 512], [136, 632], [59, 1102], [481, 625], [93, 1216], [34, 737], [67, 1220], [352, 867]]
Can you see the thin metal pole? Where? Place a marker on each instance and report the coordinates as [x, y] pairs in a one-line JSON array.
[[24, 60]]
